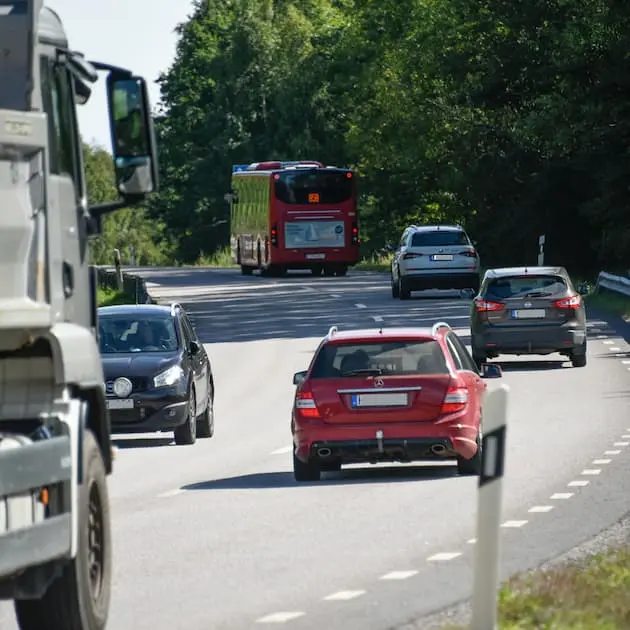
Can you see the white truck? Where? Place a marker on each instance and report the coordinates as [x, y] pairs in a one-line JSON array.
[[55, 450]]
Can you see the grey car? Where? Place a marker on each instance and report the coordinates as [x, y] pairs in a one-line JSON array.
[[528, 310]]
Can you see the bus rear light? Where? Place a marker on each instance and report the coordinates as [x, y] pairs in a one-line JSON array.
[[274, 236], [355, 234]]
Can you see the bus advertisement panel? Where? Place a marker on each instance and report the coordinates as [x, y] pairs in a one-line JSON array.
[[294, 216]]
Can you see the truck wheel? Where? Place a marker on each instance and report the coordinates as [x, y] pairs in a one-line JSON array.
[[79, 598]]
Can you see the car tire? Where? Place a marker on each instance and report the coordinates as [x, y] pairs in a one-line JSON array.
[[341, 271], [471, 467], [578, 357], [395, 292], [186, 434], [205, 425], [246, 270], [306, 471], [72, 601]]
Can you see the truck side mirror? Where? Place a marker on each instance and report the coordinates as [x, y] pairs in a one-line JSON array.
[[133, 137]]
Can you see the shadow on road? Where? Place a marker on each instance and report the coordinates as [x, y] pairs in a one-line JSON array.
[[271, 480], [531, 366], [149, 442]]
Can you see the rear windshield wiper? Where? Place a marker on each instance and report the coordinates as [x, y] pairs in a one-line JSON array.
[[366, 371]]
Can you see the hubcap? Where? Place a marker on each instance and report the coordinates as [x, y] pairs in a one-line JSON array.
[[96, 541]]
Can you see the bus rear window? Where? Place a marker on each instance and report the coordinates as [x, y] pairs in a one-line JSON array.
[[393, 358], [313, 187], [522, 286]]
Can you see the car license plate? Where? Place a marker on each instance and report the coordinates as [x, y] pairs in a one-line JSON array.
[[315, 256], [442, 257], [121, 403], [533, 313], [380, 400]]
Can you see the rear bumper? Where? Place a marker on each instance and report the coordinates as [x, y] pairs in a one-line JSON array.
[[418, 281], [528, 339], [308, 258], [400, 442]]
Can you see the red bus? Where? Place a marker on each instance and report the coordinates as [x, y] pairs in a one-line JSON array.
[[293, 215]]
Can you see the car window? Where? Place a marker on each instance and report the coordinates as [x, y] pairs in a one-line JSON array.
[[189, 331], [439, 238], [464, 356], [526, 286], [128, 333], [453, 352], [395, 358]]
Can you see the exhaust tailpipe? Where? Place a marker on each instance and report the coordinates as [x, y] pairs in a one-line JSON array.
[[324, 452], [438, 449]]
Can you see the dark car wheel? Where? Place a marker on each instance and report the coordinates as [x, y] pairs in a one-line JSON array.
[[309, 471], [205, 424], [578, 357], [187, 432], [472, 466], [395, 293]]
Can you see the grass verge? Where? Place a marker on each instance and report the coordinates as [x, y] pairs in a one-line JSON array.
[[610, 302], [111, 297], [590, 594]]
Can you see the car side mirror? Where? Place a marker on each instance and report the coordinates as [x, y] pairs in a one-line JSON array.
[[194, 348], [298, 377], [491, 370], [133, 137]]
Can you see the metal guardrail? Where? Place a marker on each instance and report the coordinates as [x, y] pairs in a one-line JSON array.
[[132, 284], [617, 284]]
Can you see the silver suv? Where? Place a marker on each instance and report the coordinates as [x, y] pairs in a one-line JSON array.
[[434, 257]]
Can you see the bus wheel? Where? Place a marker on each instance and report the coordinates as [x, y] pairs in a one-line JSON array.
[[246, 271], [316, 270], [342, 270], [329, 271]]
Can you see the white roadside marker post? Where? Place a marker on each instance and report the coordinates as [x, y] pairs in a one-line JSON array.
[[489, 505]]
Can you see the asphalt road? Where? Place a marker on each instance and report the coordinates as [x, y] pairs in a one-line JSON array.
[[218, 535]]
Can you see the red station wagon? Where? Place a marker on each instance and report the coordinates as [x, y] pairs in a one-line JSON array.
[[390, 394]]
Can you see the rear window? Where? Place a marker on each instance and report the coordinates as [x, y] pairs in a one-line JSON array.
[[393, 358], [439, 238], [313, 187], [526, 286]]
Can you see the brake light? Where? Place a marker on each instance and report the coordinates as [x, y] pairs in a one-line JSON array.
[[469, 253], [305, 403], [455, 400], [409, 255], [355, 234], [487, 305], [572, 302], [274, 236]]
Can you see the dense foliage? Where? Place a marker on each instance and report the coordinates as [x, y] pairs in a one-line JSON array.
[[509, 116]]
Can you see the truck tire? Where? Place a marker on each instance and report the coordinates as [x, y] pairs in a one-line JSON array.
[[79, 599]]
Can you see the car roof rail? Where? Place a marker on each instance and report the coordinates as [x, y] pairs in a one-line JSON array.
[[438, 325], [174, 307], [331, 332]]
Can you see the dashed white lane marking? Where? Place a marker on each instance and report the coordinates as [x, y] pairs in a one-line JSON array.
[[283, 450], [608, 342], [625, 437], [578, 484], [601, 462], [398, 575], [621, 443], [591, 471], [377, 318], [561, 495], [615, 349], [471, 541], [602, 337], [280, 617], [596, 330], [360, 305], [626, 362], [540, 509], [344, 596], [514, 524], [612, 452], [444, 557], [334, 295], [171, 493]]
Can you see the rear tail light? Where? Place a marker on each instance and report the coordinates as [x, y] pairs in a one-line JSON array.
[[470, 253], [355, 234], [487, 305], [572, 302], [455, 400], [305, 405], [274, 235], [409, 255]]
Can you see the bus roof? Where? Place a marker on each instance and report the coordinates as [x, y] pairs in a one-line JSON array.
[[271, 167]]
